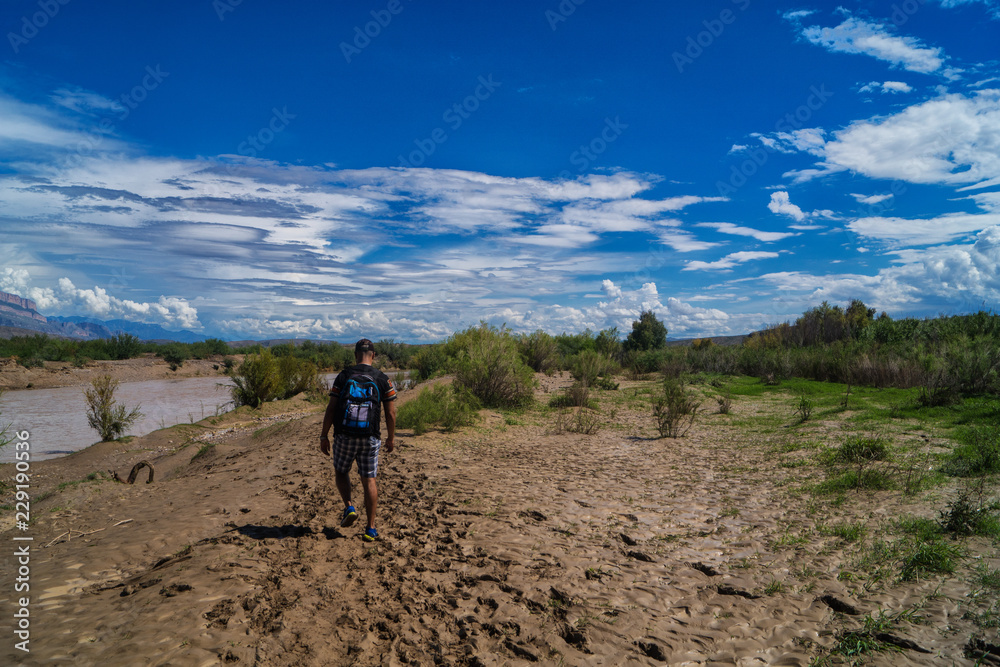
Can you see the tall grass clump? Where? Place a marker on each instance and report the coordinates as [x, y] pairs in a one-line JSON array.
[[863, 449], [256, 381], [104, 414], [674, 410], [447, 406], [486, 362]]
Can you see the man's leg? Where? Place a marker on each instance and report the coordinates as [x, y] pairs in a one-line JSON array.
[[371, 498], [344, 486]]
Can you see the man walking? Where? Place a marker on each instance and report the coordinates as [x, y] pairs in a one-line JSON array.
[[356, 399]]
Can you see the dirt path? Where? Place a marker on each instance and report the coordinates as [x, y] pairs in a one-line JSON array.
[[506, 544]]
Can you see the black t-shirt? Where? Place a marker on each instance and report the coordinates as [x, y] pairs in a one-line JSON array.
[[386, 390]]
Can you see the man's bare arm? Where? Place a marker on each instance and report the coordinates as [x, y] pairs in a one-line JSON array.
[[390, 424]]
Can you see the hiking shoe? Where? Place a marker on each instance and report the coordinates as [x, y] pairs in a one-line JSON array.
[[349, 517], [370, 535]]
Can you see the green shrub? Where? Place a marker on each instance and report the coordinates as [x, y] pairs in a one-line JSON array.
[[486, 363], [969, 514], [124, 346], [589, 365], [428, 362], [31, 362], [674, 411], [539, 351], [174, 354], [447, 406], [104, 414], [295, 376], [257, 380], [577, 395]]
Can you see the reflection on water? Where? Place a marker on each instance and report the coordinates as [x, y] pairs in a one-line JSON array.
[[57, 418]]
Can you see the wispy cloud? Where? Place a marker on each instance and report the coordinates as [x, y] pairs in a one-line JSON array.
[[729, 261], [858, 36]]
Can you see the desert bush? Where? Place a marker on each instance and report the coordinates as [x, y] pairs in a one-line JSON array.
[[31, 362], [392, 353], [428, 362], [295, 376], [539, 351], [104, 414], [124, 346], [971, 514], [486, 363], [174, 354], [674, 411], [642, 362], [447, 406], [577, 395], [257, 380], [587, 422], [589, 365]]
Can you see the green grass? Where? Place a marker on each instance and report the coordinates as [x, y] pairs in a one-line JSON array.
[[921, 528], [936, 557], [866, 479], [848, 532]]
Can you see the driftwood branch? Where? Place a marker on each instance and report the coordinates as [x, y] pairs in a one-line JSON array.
[[135, 473]]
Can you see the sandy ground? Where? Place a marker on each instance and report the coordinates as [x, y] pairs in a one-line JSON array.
[[65, 374], [505, 544]]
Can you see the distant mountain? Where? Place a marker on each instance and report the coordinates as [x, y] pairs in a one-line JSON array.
[[20, 317], [140, 329]]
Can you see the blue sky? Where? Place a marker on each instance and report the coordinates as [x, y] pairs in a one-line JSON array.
[[406, 169]]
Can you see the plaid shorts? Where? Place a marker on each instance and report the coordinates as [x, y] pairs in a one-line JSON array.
[[364, 450]]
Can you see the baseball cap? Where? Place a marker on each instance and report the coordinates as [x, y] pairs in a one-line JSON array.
[[364, 345]]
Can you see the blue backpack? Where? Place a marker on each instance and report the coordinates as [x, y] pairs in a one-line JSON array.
[[359, 406]]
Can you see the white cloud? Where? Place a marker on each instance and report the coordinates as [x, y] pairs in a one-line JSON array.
[[887, 87], [871, 199], [950, 140], [904, 232], [781, 204], [170, 312], [730, 228], [729, 261], [992, 6], [874, 39], [952, 278]]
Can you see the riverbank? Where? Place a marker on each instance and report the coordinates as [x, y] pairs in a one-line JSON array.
[[64, 374], [511, 542]]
